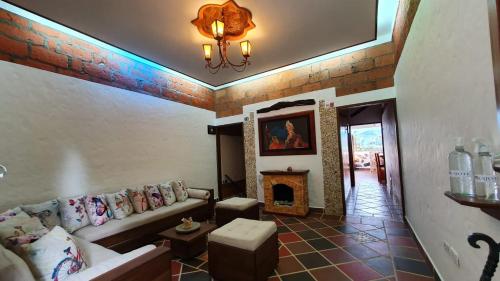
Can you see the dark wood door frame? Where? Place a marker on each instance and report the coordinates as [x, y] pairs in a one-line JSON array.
[[223, 130], [386, 101]]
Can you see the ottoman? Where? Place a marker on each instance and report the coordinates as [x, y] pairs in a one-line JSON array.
[[236, 207], [243, 250]]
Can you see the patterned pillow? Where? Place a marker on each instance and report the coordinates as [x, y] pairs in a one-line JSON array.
[[73, 214], [167, 192], [55, 256], [120, 204], [155, 199], [47, 212], [138, 200], [19, 228], [180, 190], [10, 213], [97, 209]]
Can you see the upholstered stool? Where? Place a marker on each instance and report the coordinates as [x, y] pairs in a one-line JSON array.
[[236, 207], [243, 250]]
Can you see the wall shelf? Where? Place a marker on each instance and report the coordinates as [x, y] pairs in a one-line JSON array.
[[490, 207]]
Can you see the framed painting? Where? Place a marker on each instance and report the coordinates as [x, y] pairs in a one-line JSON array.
[[291, 134]]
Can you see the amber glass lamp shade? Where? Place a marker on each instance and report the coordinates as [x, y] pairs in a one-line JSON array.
[[218, 29], [246, 48], [207, 51]]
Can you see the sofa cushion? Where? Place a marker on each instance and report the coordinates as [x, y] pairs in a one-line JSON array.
[[13, 268], [94, 254], [243, 233], [154, 197], [107, 265], [54, 256], [138, 199], [94, 233], [180, 190], [119, 204], [237, 203], [98, 209], [21, 229], [47, 212], [167, 191], [73, 213], [199, 194]]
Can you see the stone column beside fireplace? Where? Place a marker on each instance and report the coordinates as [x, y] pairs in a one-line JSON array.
[[286, 192]]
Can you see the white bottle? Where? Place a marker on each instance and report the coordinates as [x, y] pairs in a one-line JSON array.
[[485, 179], [461, 176]]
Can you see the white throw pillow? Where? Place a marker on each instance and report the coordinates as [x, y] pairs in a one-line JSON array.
[[21, 229], [47, 212], [10, 213], [167, 191], [120, 204], [180, 190], [154, 197], [73, 213], [55, 256], [98, 209], [138, 200]]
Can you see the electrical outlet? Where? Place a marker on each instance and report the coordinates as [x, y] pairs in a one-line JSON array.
[[452, 253]]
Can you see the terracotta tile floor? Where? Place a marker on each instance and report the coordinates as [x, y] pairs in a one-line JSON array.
[[370, 199], [327, 248], [370, 243]]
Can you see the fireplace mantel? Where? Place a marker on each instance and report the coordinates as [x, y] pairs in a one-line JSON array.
[[281, 173]]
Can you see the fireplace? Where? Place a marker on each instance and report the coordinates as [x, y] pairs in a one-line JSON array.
[[282, 195], [286, 192]]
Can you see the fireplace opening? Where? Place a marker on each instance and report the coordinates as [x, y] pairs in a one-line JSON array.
[[282, 195]]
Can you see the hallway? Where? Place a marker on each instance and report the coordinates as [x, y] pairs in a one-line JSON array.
[[370, 199]]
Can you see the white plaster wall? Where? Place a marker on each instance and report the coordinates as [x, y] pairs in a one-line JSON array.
[[444, 85], [311, 162], [62, 136]]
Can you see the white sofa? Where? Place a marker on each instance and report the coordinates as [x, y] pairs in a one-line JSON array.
[[99, 260]]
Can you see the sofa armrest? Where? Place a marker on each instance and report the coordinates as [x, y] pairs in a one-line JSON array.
[[211, 200], [150, 266]]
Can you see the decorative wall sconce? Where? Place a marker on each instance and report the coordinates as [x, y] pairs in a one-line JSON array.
[[3, 171]]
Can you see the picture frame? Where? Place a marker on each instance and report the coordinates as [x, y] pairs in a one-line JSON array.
[[290, 134]]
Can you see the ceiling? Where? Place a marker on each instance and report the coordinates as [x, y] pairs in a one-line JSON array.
[[287, 31]]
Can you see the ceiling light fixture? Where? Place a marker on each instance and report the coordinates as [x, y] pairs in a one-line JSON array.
[[224, 23]]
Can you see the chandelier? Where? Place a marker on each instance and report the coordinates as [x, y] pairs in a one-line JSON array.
[[225, 23]]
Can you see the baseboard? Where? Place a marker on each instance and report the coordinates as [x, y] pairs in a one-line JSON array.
[[427, 256]]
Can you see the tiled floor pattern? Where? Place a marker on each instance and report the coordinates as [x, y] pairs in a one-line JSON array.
[[369, 198], [334, 249]]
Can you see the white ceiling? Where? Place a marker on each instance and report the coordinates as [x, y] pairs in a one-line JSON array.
[[288, 31]]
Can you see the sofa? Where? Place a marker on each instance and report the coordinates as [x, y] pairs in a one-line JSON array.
[[140, 229], [145, 263], [120, 249]]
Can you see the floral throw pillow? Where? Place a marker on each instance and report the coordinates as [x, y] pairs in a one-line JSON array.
[[120, 204], [154, 197], [55, 256], [19, 229], [138, 200], [10, 213], [180, 190], [97, 209], [47, 212], [73, 213], [167, 191]]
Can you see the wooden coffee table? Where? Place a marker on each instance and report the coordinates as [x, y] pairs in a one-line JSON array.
[[188, 245]]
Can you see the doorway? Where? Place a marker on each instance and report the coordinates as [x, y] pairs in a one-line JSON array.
[[231, 176], [370, 157]]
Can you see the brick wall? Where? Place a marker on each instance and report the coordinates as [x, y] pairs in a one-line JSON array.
[[29, 43], [360, 71], [404, 18]]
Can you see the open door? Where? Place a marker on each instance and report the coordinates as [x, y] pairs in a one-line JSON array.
[[231, 174]]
